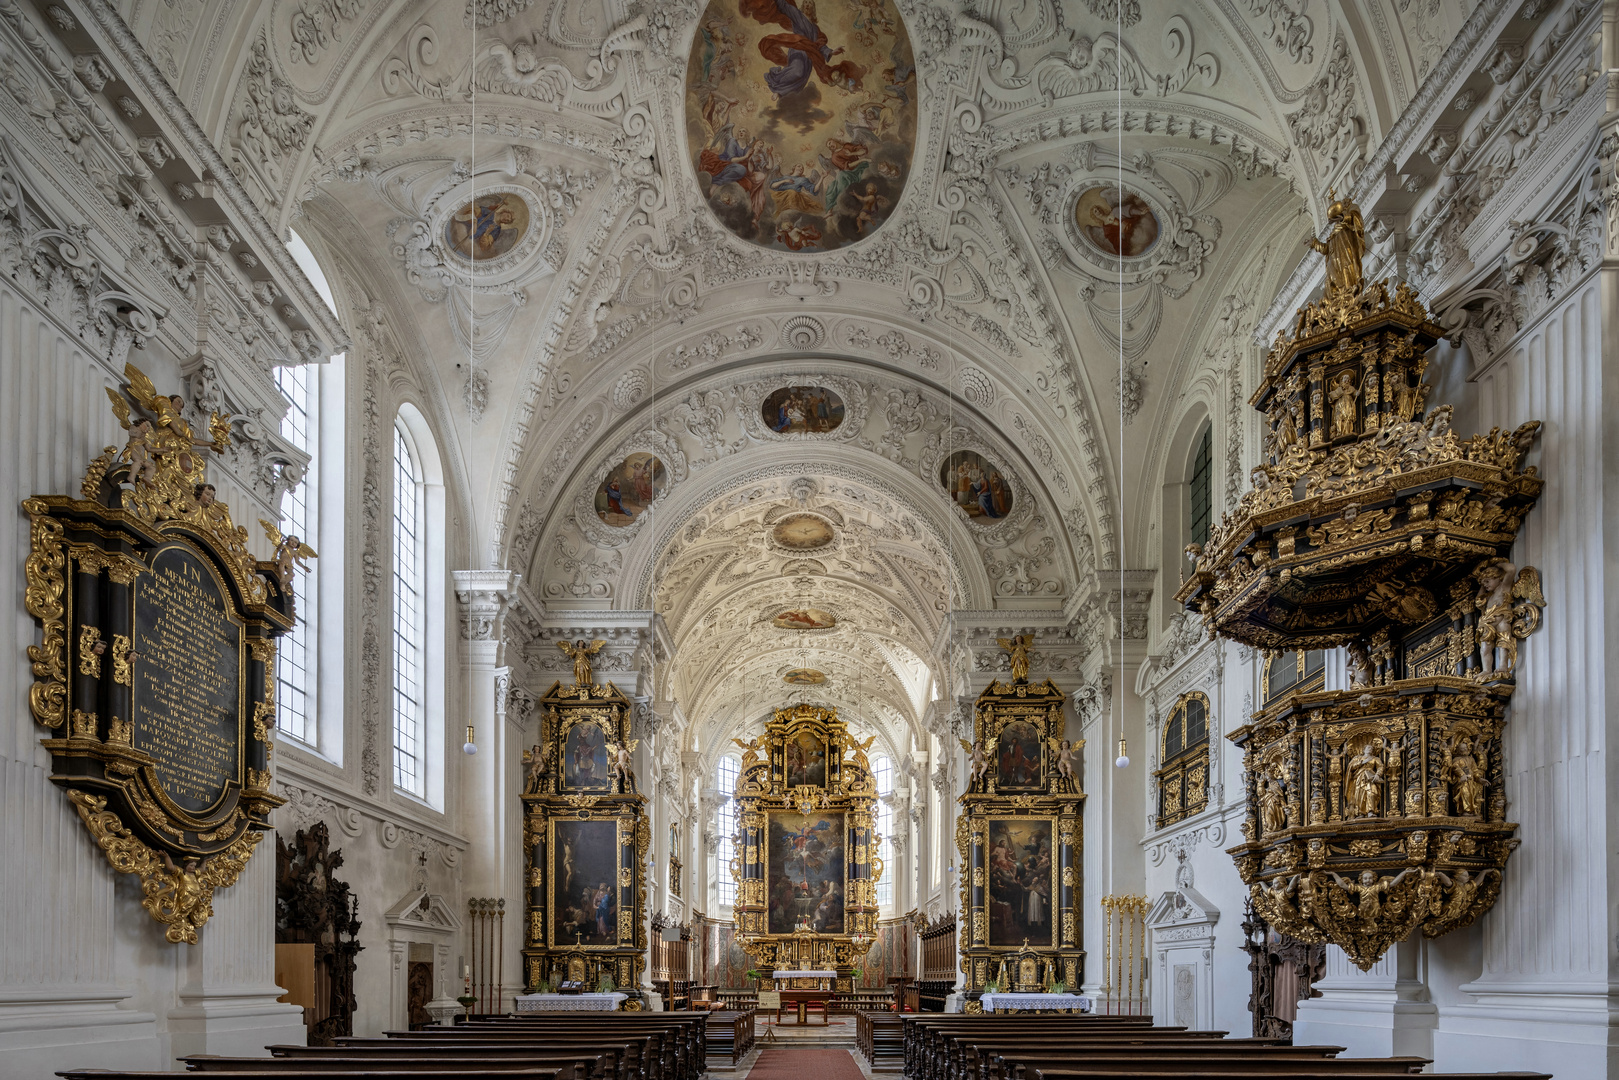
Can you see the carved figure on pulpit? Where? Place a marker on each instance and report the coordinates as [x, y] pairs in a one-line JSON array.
[[1272, 804], [1343, 397], [1370, 891], [1344, 247], [1365, 796], [1463, 769]]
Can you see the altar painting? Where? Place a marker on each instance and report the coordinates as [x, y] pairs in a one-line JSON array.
[[805, 872], [584, 882], [801, 118], [584, 758], [1018, 757], [806, 760], [1021, 881]]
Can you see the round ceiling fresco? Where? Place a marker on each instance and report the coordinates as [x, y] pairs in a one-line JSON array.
[[801, 116], [1116, 221], [805, 619], [488, 227], [977, 487], [796, 410], [802, 532]]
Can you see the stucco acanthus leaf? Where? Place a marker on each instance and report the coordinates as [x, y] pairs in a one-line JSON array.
[[590, 573], [315, 25], [269, 126], [1330, 124], [1290, 30]]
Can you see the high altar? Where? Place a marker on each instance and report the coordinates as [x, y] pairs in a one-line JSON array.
[[1020, 840], [806, 863], [586, 835]]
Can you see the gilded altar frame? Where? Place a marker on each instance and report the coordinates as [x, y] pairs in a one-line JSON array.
[[1044, 793], [773, 782], [552, 801], [146, 542]]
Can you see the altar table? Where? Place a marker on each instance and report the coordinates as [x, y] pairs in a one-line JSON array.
[[1007, 1002], [532, 1003], [803, 989]]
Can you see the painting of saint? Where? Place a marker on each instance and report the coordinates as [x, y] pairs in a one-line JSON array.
[[801, 115], [806, 760], [1018, 758], [794, 410], [804, 619], [978, 488], [804, 871], [1116, 221], [487, 228], [584, 882], [803, 676], [630, 489], [585, 759], [1022, 881]]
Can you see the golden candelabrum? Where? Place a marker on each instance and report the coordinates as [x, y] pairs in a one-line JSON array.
[[1124, 960], [1380, 809]]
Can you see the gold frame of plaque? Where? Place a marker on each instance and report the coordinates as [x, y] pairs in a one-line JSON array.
[[1380, 809], [161, 743], [1023, 782], [579, 773], [775, 788]]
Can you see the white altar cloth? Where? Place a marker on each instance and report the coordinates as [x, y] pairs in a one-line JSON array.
[[532, 1003], [805, 975], [999, 1001]]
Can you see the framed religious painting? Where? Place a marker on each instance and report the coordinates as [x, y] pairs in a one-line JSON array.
[[1021, 876], [1019, 758], [805, 759], [584, 898], [584, 755], [806, 871]]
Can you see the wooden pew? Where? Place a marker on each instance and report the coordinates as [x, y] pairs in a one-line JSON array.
[[461, 1071], [573, 1066], [730, 1036]]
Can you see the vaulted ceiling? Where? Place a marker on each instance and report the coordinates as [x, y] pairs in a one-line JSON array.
[[984, 314]]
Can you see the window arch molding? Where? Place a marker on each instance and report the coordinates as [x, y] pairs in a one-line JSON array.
[[1183, 759], [419, 646]]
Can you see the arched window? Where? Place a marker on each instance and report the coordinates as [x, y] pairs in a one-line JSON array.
[[1183, 773], [1201, 487], [313, 511], [295, 668], [1293, 672], [883, 770], [410, 618], [725, 780]]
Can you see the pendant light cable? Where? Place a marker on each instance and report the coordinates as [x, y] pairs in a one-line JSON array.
[[1123, 760]]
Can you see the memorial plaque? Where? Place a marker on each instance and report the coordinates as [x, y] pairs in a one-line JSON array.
[[154, 668], [188, 684]]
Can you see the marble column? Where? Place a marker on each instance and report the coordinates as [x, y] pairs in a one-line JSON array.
[[489, 812]]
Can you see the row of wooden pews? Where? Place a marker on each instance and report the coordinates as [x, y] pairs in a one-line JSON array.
[[552, 1046], [934, 1046]]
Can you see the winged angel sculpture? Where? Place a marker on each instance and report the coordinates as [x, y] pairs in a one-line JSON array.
[[161, 442], [1509, 602], [580, 653], [289, 551]]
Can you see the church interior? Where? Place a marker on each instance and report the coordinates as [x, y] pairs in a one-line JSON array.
[[718, 536]]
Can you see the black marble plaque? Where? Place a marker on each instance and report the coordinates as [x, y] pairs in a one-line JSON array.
[[188, 675]]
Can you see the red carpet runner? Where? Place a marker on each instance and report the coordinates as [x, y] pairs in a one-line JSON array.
[[776, 1064]]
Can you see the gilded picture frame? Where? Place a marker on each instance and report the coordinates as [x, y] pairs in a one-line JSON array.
[[590, 733], [583, 835], [1043, 881], [813, 904]]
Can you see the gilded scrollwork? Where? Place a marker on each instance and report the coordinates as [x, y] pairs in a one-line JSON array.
[[42, 598]]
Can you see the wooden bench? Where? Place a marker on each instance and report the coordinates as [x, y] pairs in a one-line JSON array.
[[316, 1071], [730, 1036]]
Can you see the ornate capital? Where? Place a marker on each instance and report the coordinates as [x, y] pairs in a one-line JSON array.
[[485, 597]]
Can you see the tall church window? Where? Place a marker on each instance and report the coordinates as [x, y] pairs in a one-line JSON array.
[[306, 674], [409, 618], [295, 669], [726, 782], [883, 768], [1183, 773], [1201, 484]]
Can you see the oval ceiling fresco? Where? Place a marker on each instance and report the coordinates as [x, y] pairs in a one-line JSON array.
[[801, 118]]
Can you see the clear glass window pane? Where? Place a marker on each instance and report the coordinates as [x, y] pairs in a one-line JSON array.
[[726, 782], [295, 670], [409, 619], [883, 767]]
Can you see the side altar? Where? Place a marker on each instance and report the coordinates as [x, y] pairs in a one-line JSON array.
[[806, 864], [585, 833], [1020, 840]]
